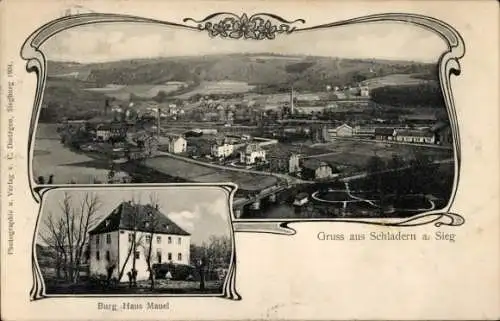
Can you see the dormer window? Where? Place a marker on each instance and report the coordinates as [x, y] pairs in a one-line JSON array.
[[107, 222], [146, 224]]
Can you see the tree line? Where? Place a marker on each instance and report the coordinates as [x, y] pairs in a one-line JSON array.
[[420, 95]]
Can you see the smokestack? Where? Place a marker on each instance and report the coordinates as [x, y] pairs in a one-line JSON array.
[[158, 122], [291, 102]]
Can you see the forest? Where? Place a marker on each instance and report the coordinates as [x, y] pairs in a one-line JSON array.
[[421, 95]]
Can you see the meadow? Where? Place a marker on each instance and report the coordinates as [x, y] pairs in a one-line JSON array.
[[203, 174], [218, 87]]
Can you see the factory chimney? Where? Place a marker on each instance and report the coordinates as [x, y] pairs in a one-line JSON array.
[[158, 122], [106, 107], [291, 102]]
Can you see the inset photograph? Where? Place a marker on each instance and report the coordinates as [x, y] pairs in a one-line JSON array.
[[175, 240], [344, 122]]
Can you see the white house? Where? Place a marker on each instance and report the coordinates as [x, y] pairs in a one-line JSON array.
[[222, 150], [175, 143], [343, 130], [364, 92], [301, 199], [251, 153], [111, 241], [103, 132]]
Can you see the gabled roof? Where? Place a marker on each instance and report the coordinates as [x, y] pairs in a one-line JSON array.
[[145, 218], [250, 148], [343, 126], [384, 131], [420, 117], [414, 133]]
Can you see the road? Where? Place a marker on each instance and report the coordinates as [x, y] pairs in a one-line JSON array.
[[289, 179]]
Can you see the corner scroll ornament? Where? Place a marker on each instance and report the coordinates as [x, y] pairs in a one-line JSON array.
[[258, 26]]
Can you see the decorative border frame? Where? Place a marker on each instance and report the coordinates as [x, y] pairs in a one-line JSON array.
[[266, 26], [229, 290]]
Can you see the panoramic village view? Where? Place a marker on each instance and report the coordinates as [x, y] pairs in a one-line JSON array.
[[113, 242], [302, 135]]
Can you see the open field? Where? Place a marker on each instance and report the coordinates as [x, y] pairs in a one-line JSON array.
[[218, 87], [357, 154], [198, 173], [123, 92], [393, 80], [281, 150]]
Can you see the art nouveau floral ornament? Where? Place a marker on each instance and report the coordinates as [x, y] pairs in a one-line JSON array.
[[258, 26]]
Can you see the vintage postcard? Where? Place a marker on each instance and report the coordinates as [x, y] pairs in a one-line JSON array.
[[218, 160]]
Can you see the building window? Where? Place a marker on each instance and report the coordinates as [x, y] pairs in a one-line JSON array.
[[169, 240], [108, 238], [170, 256], [137, 255], [130, 237], [158, 239], [108, 257], [158, 256], [97, 239], [179, 257], [97, 256], [148, 238], [179, 240]]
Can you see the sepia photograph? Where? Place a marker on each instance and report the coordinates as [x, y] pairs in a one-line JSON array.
[[222, 160], [142, 241], [320, 123]]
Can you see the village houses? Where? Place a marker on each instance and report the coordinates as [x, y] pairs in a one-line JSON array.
[[176, 144], [107, 131], [316, 170], [111, 241], [343, 130], [252, 153], [415, 136], [222, 150]]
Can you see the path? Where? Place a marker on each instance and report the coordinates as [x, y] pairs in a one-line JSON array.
[[287, 178]]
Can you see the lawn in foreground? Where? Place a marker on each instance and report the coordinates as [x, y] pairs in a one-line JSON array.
[[143, 287]]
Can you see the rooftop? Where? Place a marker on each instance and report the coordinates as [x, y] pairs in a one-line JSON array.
[[250, 148], [145, 218], [384, 131], [415, 133]]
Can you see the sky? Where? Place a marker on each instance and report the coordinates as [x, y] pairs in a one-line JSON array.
[[120, 41], [200, 211]]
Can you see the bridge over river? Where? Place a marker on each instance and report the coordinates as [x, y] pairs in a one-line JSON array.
[[255, 199]]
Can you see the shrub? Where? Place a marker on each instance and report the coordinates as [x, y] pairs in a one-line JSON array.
[[178, 271]]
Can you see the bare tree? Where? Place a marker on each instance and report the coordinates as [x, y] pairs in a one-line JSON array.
[[135, 241], [152, 226], [68, 234], [55, 239]]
